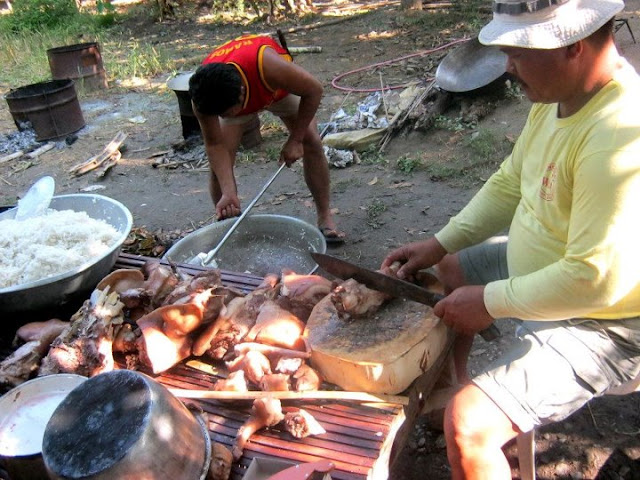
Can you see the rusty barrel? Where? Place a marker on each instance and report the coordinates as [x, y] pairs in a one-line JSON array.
[[51, 108], [81, 62]]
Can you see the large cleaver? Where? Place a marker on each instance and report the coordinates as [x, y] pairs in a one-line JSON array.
[[387, 284]]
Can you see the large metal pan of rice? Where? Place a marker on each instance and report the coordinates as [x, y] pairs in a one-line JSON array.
[[48, 261]]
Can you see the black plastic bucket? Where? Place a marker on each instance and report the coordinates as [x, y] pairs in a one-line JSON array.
[[52, 108], [81, 62]]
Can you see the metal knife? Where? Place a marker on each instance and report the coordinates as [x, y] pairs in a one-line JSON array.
[[387, 284]]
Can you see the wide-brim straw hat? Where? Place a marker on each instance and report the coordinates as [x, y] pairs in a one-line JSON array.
[[546, 24]]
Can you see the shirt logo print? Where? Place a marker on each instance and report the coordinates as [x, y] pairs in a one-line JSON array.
[[547, 187]]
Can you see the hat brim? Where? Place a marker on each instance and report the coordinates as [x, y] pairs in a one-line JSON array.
[[567, 24]]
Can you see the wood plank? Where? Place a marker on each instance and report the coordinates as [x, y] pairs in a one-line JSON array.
[[271, 439]]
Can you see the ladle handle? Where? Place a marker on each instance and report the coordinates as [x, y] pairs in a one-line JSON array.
[[212, 253]]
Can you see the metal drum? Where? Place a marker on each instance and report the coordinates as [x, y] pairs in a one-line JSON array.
[[81, 62], [125, 425], [50, 108], [180, 86]]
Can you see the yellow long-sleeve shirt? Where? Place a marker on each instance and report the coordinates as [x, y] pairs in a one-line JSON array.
[[570, 195]]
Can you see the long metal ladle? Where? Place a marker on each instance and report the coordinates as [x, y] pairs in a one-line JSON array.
[[207, 259]]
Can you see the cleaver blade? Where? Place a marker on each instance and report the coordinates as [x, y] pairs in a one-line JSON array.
[[387, 284], [376, 280]]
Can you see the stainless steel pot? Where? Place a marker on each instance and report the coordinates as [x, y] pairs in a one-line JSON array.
[[263, 243], [125, 425], [67, 287], [24, 413]]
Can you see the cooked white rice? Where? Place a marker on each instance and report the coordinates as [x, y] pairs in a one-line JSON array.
[[50, 244]]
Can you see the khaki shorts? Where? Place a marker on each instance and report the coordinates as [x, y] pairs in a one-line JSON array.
[[286, 107], [554, 367]]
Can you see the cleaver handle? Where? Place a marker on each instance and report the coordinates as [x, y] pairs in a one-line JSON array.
[[488, 334]]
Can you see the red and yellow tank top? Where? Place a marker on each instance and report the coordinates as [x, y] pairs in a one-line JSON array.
[[246, 53]]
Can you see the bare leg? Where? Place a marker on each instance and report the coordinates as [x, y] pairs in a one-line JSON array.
[[231, 135], [316, 174], [475, 431]]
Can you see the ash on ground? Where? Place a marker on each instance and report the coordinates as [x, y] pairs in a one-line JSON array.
[[24, 140], [189, 153]]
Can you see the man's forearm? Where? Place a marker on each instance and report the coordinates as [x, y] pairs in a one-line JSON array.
[[222, 166]]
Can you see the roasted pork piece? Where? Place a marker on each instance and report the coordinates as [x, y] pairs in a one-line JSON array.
[[25, 361], [300, 423], [235, 321], [266, 412], [287, 365], [86, 347], [275, 382], [235, 382], [221, 460], [42, 331], [306, 379], [300, 293], [352, 299], [18, 367], [254, 364], [277, 326]]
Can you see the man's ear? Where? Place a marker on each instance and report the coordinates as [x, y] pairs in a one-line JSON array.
[[575, 50]]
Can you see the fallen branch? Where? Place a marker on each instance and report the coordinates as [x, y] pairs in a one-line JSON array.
[[97, 160], [312, 49], [109, 163], [11, 156], [400, 118], [40, 150], [159, 154]]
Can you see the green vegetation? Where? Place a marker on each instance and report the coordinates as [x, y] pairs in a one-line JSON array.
[[372, 156], [343, 185], [463, 17], [483, 145], [132, 59], [273, 153], [374, 210], [37, 15], [452, 124], [35, 26], [439, 172], [483, 152], [407, 163]]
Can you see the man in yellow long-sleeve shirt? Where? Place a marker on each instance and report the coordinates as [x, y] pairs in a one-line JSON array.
[[569, 269]]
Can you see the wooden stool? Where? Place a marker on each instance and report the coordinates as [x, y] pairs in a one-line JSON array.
[[525, 442]]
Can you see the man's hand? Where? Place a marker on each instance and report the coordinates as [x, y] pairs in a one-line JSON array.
[[464, 311], [291, 151], [415, 256], [228, 206]]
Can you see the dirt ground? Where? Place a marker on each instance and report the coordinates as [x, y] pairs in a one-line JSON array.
[[376, 203]]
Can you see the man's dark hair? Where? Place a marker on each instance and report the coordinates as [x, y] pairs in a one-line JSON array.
[[214, 88], [600, 36]]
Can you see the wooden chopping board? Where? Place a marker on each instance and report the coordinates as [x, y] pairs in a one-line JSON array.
[[383, 353]]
